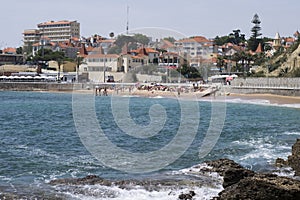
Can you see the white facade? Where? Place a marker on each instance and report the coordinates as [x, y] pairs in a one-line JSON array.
[[60, 31], [100, 62], [195, 47]]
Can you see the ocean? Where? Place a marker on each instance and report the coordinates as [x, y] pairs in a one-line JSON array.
[[48, 136]]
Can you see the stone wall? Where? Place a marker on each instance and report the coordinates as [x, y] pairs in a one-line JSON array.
[[31, 86], [267, 82]]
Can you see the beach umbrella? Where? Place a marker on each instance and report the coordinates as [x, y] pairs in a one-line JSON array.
[[229, 78]]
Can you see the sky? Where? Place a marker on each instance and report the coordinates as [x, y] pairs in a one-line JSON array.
[[177, 18]]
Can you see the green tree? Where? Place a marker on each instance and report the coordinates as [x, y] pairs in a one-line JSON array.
[[221, 40], [115, 50], [170, 39], [140, 38], [123, 39], [189, 72], [255, 30], [19, 50]]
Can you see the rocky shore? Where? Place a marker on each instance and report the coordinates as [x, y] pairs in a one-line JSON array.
[[238, 182]]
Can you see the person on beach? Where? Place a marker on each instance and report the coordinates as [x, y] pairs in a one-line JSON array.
[[96, 90], [105, 92], [178, 91]]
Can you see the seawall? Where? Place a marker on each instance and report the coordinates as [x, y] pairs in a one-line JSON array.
[[278, 86]]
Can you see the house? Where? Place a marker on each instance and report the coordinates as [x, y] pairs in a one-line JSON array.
[[9, 50], [195, 46]]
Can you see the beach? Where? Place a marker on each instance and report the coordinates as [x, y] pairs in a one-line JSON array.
[[268, 98]]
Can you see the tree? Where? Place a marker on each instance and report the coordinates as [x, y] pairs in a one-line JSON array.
[[170, 39], [189, 72], [19, 50], [142, 39], [235, 38], [254, 41], [114, 50], [256, 28], [123, 39], [221, 40]]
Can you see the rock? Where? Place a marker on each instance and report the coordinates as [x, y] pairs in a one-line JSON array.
[[230, 170], [187, 196], [280, 162], [294, 159], [88, 180], [263, 186]]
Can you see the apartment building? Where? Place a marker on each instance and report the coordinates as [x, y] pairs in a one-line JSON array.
[[30, 37], [59, 31], [56, 31], [197, 48]]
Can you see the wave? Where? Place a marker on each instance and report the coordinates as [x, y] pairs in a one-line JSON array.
[[161, 186], [291, 133]]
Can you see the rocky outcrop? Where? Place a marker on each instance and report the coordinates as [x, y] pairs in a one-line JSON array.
[[263, 186], [294, 159], [240, 183], [230, 170]]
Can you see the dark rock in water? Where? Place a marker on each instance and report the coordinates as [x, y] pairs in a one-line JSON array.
[[240, 183], [187, 196], [294, 159], [230, 170], [263, 186], [88, 180]]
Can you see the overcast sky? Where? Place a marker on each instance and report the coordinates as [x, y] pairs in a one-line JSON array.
[[207, 18]]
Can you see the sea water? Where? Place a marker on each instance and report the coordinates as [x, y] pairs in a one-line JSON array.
[[39, 142]]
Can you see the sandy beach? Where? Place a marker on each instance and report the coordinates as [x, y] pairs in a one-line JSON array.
[[271, 98]]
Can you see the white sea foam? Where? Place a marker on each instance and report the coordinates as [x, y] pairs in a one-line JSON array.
[[257, 102], [262, 151], [285, 171], [291, 133], [137, 192], [158, 97], [249, 101], [208, 188]]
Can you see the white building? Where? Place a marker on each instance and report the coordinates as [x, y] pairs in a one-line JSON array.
[[59, 31]]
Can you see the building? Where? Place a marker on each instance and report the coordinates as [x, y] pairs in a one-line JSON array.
[[30, 37], [59, 31], [196, 48]]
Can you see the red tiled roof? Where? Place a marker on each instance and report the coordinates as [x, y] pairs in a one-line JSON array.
[[150, 50], [198, 39], [107, 41], [289, 39], [9, 50], [102, 56], [259, 48]]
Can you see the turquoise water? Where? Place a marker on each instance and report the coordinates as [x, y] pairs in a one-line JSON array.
[[39, 141]]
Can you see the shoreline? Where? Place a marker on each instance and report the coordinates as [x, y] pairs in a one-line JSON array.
[[261, 98]]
